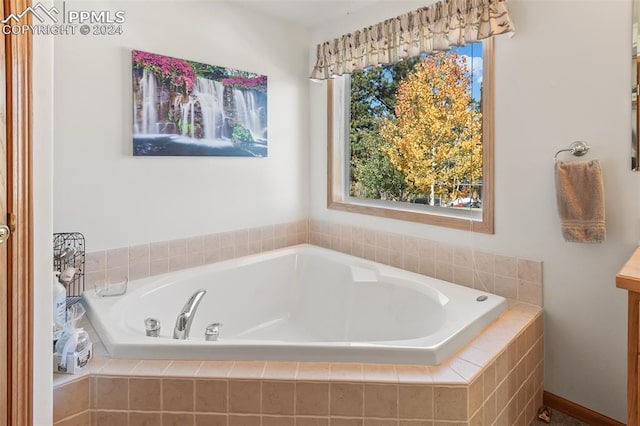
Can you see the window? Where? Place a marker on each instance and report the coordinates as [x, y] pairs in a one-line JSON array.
[[414, 140]]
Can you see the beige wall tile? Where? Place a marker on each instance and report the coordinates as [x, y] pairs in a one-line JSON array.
[[483, 281], [95, 261], [530, 270], [380, 400], [195, 259], [71, 398], [82, 419], [313, 371], [182, 368], [280, 370], [117, 258], [476, 395], [411, 262], [346, 399], [346, 372], [144, 419], [119, 367], [463, 256], [380, 422], [489, 409], [505, 266], [483, 261], [447, 403], [151, 367], [278, 397], [489, 379], [178, 419], [117, 275], [195, 245], [226, 239], [178, 395], [211, 420], [111, 418], [312, 399], [247, 369], [463, 276], [380, 373], [427, 267], [530, 292], [159, 250], [506, 287], [236, 420], [382, 239], [139, 270], [427, 249], [415, 423], [444, 271], [244, 396], [211, 396], [411, 245], [93, 278], [277, 421], [178, 247], [414, 374], [467, 370], [415, 402], [177, 263], [346, 422], [145, 394], [112, 393], [139, 253], [312, 421], [217, 369], [444, 253]]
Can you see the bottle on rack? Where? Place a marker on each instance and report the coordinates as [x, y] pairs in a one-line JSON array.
[[59, 306]]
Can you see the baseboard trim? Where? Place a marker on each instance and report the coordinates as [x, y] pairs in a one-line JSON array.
[[584, 414]]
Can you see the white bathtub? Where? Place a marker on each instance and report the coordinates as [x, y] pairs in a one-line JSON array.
[[301, 303]]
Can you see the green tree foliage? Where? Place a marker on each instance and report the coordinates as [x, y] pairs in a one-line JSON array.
[[373, 99]]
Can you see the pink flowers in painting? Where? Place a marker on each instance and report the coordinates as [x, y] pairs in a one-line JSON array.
[[179, 72], [259, 83]]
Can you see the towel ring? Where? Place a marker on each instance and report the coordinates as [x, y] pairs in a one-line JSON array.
[[577, 148]]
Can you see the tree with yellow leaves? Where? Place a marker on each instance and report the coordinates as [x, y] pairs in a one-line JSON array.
[[435, 139]]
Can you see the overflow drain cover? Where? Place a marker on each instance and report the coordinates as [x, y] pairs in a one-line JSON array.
[[482, 298]]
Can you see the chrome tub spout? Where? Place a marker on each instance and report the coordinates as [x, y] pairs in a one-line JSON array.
[[185, 317]]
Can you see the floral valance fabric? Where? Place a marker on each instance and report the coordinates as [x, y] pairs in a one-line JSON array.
[[436, 27]]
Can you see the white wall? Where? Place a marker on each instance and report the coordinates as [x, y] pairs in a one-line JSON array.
[[564, 76], [116, 199], [42, 228]]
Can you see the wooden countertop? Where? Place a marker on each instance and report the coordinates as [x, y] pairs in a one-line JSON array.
[[629, 276]]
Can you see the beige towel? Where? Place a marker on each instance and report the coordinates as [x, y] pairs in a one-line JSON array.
[[580, 197]]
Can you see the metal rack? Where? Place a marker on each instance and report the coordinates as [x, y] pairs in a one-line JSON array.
[[69, 250]]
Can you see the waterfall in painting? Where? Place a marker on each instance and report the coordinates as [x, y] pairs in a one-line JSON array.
[[188, 108]]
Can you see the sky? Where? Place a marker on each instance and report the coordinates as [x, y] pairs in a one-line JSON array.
[[473, 54]]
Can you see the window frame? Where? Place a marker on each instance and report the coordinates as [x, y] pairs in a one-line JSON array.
[[438, 216]]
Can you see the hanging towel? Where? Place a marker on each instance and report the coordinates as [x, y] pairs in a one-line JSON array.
[[580, 197]]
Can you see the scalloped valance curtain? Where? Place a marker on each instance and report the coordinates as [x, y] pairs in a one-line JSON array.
[[433, 28]]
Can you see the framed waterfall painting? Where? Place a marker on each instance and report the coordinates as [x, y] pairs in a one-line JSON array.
[[186, 108]]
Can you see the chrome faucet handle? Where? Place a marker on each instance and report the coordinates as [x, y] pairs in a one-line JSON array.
[[212, 332], [152, 327]]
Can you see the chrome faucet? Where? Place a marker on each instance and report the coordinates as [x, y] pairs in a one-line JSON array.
[[185, 317]]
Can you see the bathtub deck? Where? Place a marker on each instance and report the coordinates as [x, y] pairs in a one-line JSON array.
[[500, 373]]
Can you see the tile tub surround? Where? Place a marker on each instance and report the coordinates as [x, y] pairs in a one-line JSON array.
[[511, 277], [160, 257], [496, 379]]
